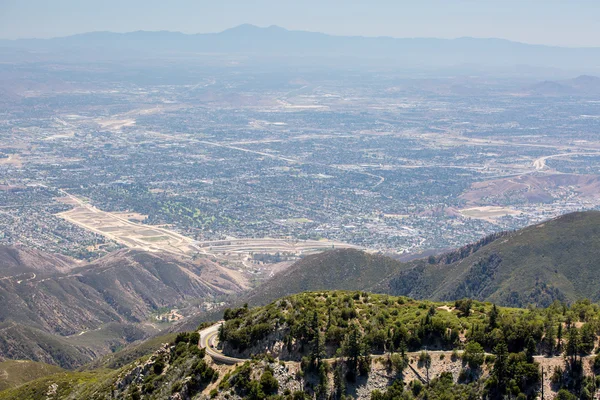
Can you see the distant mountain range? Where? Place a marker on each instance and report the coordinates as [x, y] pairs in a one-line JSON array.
[[306, 47]]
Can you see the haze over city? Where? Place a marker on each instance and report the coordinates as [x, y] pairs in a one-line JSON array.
[[550, 22], [309, 200]]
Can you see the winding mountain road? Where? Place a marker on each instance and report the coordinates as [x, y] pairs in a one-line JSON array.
[[207, 341]]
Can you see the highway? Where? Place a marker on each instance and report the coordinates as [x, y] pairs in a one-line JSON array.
[[207, 341]]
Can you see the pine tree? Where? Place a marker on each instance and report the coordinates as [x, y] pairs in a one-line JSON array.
[[353, 349], [550, 339], [339, 382], [500, 370], [317, 350], [403, 350], [530, 349], [573, 342], [559, 336], [494, 314]]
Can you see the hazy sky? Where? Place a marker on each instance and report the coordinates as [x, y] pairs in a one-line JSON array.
[[556, 22]]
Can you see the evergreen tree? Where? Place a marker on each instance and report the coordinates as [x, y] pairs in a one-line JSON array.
[[321, 390], [494, 314], [550, 339], [530, 349], [339, 382], [353, 349], [573, 342], [559, 336], [500, 370], [403, 349], [587, 338], [317, 350]]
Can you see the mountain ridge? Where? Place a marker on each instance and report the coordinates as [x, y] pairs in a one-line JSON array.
[[552, 260], [274, 41], [81, 311]]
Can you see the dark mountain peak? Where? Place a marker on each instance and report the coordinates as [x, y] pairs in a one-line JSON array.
[[586, 84], [550, 88], [587, 79]]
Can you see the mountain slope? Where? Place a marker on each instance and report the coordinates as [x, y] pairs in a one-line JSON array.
[[350, 343], [554, 260], [345, 269], [19, 342], [79, 312], [123, 287], [584, 85], [23, 261], [15, 373]]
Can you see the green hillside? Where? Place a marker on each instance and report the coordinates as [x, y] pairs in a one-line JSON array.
[[554, 260], [344, 269], [340, 329], [333, 344], [386, 321], [130, 353], [17, 372], [178, 367]]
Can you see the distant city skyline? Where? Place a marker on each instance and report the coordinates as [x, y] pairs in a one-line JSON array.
[[549, 22]]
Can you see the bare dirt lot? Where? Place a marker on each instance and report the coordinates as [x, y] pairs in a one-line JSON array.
[[125, 229], [121, 229], [488, 213]]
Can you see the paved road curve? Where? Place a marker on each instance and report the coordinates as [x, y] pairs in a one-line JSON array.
[[207, 341]]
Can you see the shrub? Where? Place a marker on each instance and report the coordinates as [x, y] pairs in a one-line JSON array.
[[159, 366], [183, 337], [464, 306], [176, 387], [398, 363], [194, 338], [364, 365], [597, 363], [424, 358], [455, 356], [557, 375], [417, 387], [180, 349], [268, 383], [564, 394], [474, 355]]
